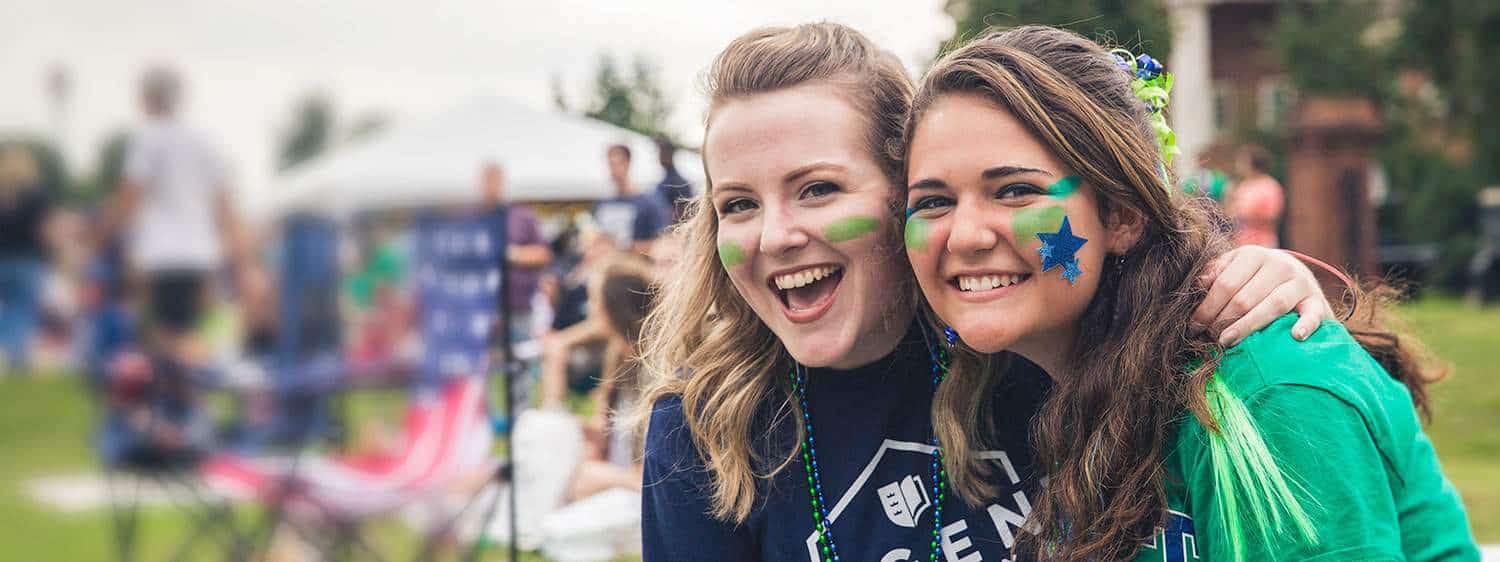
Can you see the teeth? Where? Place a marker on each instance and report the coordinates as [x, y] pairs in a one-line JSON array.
[[804, 277], [986, 282]]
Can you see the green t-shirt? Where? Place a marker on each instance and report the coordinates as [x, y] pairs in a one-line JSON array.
[[1345, 431]]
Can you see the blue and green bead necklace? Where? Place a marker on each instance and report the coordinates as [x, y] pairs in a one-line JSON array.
[[826, 544]]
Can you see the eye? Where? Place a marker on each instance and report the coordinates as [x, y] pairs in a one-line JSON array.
[[932, 202], [1018, 191], [737, 205], [817, 189]]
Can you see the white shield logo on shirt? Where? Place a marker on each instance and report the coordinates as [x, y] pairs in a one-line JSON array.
[[905, 500]]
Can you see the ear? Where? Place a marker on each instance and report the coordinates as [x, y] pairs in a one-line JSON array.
[[1126, 226]]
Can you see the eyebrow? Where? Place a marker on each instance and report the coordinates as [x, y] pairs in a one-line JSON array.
[[929, 183], [990, 174], [731, 186], [790, 177], [1005, 171], [794, 175]]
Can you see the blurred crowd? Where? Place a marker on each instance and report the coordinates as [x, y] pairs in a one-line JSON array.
[[162, 288], [1251, 197]]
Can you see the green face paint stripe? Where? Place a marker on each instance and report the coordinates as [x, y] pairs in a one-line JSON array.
[[731, 254], [844, 230], [1030, 221], [1064, 187], [916, 234]]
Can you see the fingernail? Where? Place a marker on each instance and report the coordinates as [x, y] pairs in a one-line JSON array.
[[1229, 338], [1299, 333]]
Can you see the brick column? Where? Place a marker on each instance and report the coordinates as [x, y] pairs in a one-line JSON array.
[[1331, 150]]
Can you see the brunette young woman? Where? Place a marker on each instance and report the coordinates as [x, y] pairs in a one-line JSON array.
[[1032, 161]]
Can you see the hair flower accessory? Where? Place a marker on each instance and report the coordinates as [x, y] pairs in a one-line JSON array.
[[1153, 85]]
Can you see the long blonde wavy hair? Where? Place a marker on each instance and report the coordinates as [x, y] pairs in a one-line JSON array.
[[703, 342]]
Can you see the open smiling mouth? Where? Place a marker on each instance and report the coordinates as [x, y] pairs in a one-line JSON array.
[[806, 293], [990, 283]]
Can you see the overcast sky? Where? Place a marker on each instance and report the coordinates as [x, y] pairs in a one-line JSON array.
[[246, 63]]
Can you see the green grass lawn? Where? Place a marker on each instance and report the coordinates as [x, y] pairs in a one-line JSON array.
[[44, 427], [1465, 425], [44, 424]]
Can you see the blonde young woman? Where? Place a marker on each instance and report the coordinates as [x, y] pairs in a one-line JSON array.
[[789, 387], [1032, 159]]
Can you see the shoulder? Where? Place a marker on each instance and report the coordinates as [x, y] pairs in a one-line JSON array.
[[668, 439], [1324, 382], [674, 473], [1331, 360]]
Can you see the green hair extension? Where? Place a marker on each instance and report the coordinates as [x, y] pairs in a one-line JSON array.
[[1246, 477]]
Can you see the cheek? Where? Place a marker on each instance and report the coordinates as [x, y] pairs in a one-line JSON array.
[[735, 245], [1028, 222], [917, 236], [852, 227], [925, 243], [731, 254]]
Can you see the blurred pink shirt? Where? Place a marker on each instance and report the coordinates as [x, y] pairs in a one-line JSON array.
[[1257, 203]]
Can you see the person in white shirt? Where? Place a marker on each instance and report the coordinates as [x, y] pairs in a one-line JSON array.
[[173, 208]]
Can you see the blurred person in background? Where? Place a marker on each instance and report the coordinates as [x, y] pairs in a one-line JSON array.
[[526, 251], [1257, 201], [174, 207], [1207, 181], [675, 191], [24, 217], [632, 219], [620, 296], [576, 335]]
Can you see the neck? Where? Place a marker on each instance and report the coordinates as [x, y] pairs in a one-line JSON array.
[[1049, 349], [880, 342]]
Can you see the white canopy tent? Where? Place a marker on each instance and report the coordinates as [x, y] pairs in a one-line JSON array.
[[547, 156]]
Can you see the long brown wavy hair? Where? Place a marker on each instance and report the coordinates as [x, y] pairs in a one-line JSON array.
[[1102, 434], [703, 342]]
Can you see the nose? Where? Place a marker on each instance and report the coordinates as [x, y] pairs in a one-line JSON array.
[[972, 231], [780, 232]]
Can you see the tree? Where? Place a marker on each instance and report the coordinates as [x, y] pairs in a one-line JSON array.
[[1440, 142], [559, 98], [1322, 48], [52, 170], [1454, 43], [1135, 25], [108, 174], [366, 125], [636, 102], [311, 132]]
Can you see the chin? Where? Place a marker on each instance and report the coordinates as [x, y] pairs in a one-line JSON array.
[[817, 348], [985, 337]]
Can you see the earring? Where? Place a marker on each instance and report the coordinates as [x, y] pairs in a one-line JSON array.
[[951, 335], [1118, 265]]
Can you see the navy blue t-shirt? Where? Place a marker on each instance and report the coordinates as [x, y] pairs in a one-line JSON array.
[[632, 218], [873, 428], [675, 192]]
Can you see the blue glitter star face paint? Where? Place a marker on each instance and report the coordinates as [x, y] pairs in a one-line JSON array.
[[1060, 249]]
